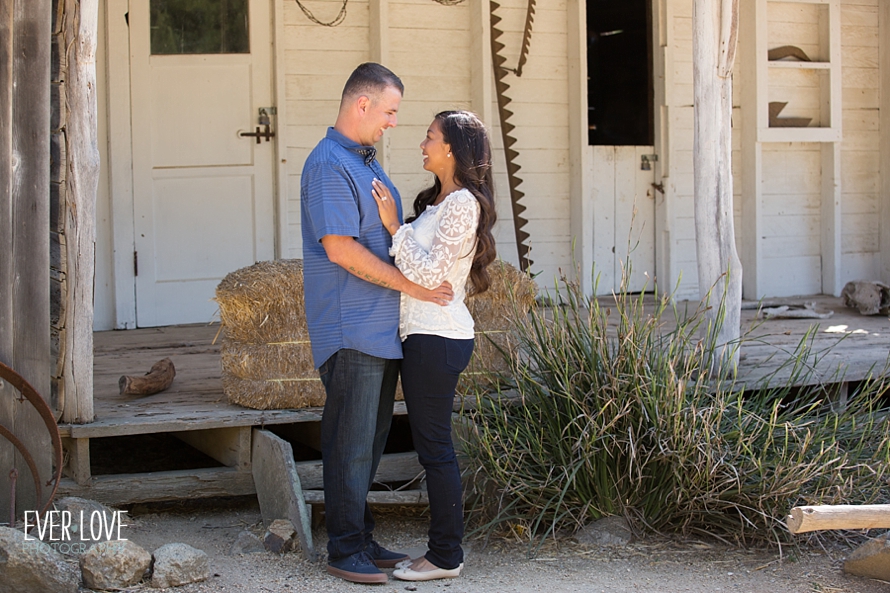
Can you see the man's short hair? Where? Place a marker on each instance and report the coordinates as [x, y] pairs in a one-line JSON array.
[[371, 79]]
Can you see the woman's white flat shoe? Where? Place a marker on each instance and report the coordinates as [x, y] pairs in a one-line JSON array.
[[408, 574]]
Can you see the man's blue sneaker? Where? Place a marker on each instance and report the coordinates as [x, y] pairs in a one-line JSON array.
[[384, 558], [358, 568]]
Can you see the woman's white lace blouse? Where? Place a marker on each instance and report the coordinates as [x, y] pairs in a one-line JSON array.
[[438, 246]]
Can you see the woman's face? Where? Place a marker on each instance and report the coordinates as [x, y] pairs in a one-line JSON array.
[[436, 153]]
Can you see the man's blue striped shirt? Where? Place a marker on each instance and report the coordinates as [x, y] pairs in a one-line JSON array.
[[342, 310]]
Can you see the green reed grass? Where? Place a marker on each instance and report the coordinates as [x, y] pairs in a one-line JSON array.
[[613, 410]]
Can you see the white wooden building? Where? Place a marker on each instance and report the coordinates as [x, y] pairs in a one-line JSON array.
[[184, 199]]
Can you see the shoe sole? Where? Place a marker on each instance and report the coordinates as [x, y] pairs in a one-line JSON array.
[[406, 574], [357, 577], [391, 563]]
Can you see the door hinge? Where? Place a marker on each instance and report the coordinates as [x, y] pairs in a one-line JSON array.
[[135, 263]]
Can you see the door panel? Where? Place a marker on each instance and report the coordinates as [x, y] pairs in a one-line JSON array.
[[203, 195], [624, 225]]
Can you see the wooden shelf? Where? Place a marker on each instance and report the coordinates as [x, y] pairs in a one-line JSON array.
[[799, 65]]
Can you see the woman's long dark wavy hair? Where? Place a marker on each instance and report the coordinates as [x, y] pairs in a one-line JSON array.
[[471, 151]]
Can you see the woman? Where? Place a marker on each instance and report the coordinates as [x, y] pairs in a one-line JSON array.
[[447, 239]]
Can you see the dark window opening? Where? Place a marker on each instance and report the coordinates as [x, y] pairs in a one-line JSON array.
[[199, 27], [619, 72]]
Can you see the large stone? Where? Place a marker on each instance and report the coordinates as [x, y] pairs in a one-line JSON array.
[[608, 531], [114, 565], [82, 513], [871, 559], [31, 565], [246, 543], [179, 564]]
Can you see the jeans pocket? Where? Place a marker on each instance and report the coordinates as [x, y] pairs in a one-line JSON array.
[[457, 354], [326, 368]]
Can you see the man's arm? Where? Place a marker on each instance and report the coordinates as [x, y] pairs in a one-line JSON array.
[[353, 257]]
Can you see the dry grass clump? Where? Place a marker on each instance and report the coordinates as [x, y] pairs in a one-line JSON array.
[[616, 413], [495, 312]]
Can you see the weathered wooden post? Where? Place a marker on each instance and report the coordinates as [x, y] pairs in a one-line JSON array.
[[25, 27], [79, 31], [714, 40]]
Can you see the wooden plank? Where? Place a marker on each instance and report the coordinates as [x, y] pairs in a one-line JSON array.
[[388, 497], [7, 270], [884, 20], [157, 486], [120, 162], [24, 278], [832, 200], [78, 454], [394, 467], [818, 518], [229, 446], [481, 79], [580, 155], [603, 223], [278, 486]]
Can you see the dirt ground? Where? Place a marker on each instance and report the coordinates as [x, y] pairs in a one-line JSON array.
[[654, 565]]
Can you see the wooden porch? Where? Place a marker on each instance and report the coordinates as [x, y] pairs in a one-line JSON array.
[[194, 410]]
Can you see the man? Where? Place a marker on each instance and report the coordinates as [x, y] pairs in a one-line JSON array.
[[352, 310]]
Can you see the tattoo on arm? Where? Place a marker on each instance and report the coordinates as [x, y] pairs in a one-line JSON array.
[[369, 278]]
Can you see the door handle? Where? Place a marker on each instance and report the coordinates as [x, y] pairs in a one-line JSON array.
[[266, 132]]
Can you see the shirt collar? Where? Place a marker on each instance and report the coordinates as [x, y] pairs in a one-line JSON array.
[[367, 153]]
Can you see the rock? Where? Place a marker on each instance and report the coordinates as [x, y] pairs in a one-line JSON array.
[[114, 565], [246, 543], [871, 559], [871, 298], [608, 531], [31, 565], [81, 512], [280, 537], [179, 564]]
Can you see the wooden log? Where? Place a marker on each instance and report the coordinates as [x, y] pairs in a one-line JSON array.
[[159, 378], [818, 518], [714, 42], [81, 31]]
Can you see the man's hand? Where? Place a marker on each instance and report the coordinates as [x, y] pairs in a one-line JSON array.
[[441, 295]]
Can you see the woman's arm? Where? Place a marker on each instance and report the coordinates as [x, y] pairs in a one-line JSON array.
[[458, 219]]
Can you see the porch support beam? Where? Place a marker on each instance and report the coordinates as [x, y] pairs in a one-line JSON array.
[[884, 42], [379, 39], [120, 162], [580, 154], [81, 27], [481, 73]]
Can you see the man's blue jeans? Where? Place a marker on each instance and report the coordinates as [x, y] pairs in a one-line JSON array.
[[357, 416]]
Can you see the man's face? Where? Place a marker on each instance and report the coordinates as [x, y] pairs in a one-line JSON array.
[[378, 114]]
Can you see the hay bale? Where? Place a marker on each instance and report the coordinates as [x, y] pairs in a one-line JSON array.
[[263, 303], [266, 355], [275, 376], [511, 295]]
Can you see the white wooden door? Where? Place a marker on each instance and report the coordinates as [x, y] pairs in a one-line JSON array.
[[203, 194], [624, 218]]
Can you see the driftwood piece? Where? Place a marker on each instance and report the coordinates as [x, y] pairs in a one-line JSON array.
[[871, 298], [775, 108], [787, 51], [817, 518], [792, 311], [159, 378]]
